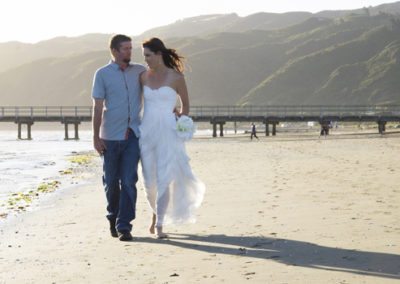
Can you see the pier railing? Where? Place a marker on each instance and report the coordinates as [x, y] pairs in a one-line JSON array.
[[283, 111], [216, 115], [52, 112], [45, 112]]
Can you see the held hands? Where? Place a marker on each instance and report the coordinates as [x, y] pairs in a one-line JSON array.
[[176, 112], [99, 145]]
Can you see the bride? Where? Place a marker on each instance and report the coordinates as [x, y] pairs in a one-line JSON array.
[[172, 190]]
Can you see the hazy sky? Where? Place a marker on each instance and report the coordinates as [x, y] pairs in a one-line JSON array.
[[35, 20]]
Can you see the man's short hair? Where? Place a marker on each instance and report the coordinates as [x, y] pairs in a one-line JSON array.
[[116, 40]]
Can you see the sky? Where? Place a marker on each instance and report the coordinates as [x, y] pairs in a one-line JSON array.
[[35, 20]]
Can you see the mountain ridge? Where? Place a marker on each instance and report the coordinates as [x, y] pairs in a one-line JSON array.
[[351, 59]]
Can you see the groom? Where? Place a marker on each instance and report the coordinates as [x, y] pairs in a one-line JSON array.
[[116, 108]]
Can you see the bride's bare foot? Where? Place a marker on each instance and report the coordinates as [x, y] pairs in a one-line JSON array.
[[160, 234], [153, 224]]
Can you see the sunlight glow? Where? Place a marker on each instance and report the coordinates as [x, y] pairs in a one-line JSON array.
[[35, 20]]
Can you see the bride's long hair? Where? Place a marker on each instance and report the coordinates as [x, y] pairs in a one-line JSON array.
[[170, 57]]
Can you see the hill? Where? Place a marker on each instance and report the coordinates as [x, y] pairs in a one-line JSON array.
[[337, 74], [291, 58]]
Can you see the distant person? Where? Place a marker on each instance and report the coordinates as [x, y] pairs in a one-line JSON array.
[[116, 108], [253, 131], [324, 129], [173, 191]]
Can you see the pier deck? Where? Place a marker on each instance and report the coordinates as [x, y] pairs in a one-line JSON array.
[[216, 115]]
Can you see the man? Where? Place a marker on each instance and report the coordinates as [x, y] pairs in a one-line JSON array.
[[116, 108], [253, 131]]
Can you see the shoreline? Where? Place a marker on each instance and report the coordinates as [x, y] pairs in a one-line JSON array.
[[47, 186], [25, 202]]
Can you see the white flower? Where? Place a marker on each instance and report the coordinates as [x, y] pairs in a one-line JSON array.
[[185, 127]]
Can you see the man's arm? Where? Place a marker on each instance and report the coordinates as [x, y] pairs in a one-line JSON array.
[[96, 122]]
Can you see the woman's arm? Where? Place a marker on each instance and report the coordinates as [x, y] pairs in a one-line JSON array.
[[183, 94], [142, 80]]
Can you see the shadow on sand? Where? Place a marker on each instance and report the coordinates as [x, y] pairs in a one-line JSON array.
[[290, 252]]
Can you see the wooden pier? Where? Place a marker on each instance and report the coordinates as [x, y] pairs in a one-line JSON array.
[[270, 116], [29, 115]]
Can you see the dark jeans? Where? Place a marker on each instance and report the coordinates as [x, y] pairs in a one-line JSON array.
[[119, 179]]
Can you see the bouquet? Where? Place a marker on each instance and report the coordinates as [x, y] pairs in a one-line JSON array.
[[185, 127]]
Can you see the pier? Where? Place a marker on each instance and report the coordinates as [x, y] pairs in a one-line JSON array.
[[218, 116], [28, 116], [271, 116]]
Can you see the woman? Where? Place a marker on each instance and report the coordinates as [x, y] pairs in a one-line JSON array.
[[172, 190]]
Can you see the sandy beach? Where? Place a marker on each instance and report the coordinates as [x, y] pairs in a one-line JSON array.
[[285, 209]]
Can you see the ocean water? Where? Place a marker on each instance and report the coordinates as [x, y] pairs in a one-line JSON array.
[[24, 164]]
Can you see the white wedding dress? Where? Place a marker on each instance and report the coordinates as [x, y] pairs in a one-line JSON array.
[[172, 190]]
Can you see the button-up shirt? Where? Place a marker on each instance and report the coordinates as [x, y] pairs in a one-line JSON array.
[[121, 92]]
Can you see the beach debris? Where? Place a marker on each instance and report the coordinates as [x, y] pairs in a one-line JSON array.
[[48, 186], [242, 251], [81, 159], [66, 172], [174, 275], [19, 201]]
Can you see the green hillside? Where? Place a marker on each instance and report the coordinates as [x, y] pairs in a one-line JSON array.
[[330, 75], [363, 82]]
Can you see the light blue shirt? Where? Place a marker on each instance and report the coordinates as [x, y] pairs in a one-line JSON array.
[[122, 102]]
